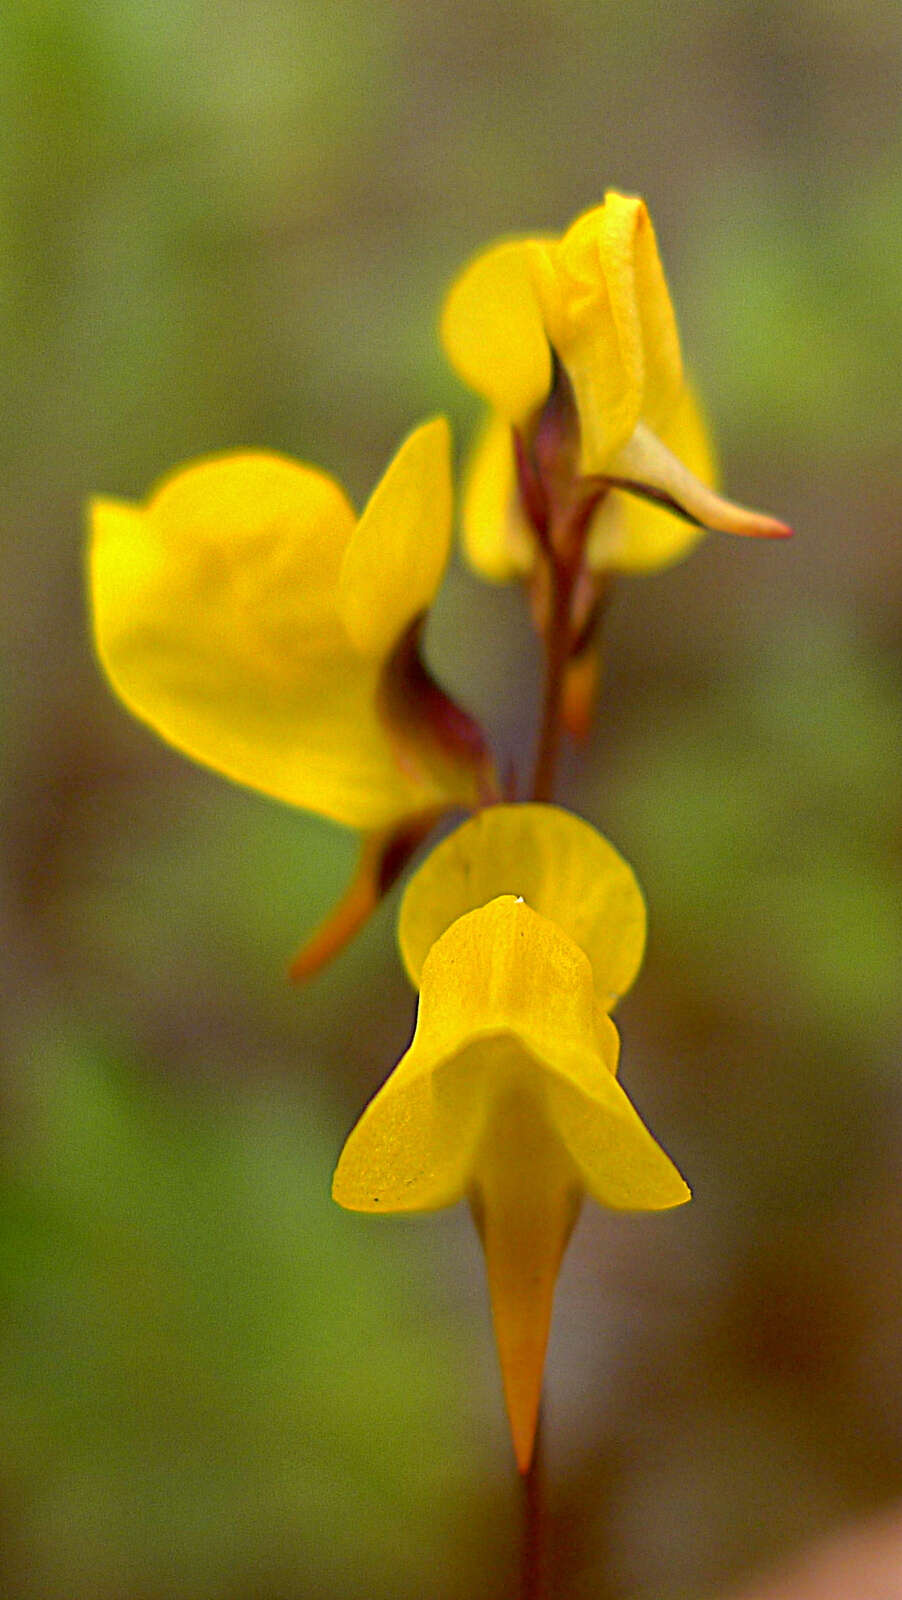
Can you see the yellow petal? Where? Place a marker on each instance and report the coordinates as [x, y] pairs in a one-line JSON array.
[[609, 317], [631, 535], [395, 558], [634, 266], [216, 621], [414, 1146], [507, 1004], [493, 331], [497, 540], [619, 1163], [561, 867]]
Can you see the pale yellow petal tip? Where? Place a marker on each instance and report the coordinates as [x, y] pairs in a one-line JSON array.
[[725, 516], [757, 525], [646, 466]]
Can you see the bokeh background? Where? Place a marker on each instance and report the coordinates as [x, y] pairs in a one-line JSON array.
[[231, 224]]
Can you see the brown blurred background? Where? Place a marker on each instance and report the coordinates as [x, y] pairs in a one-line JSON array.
[[232, 224]]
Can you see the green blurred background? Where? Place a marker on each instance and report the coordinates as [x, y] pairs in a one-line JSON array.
[[232, 224]]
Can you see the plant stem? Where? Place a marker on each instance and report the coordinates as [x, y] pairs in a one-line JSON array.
[[557, 654], [532, 1572]]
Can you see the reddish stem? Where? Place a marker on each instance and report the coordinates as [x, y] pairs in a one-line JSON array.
[[533, 1569], [558, 645]]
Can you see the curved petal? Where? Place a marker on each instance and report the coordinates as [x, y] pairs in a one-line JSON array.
[[397, 554], [632, 535], [215, 619], [492, 328], [634, 271], [497, 540], [603, 364], [619, 1163], [507, 1007], [560, 866], [645, 465], [610, 319], [413, 1148]]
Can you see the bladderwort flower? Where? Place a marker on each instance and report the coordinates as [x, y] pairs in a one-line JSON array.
[[573, 342], [594, 458], [250, 617], [520, 930]]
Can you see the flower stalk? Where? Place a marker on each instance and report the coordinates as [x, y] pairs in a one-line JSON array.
[[557, 649], [534, 1553]]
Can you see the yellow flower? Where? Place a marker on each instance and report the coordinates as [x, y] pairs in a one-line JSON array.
[[249, 616], [591, 312], [521, 930]]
